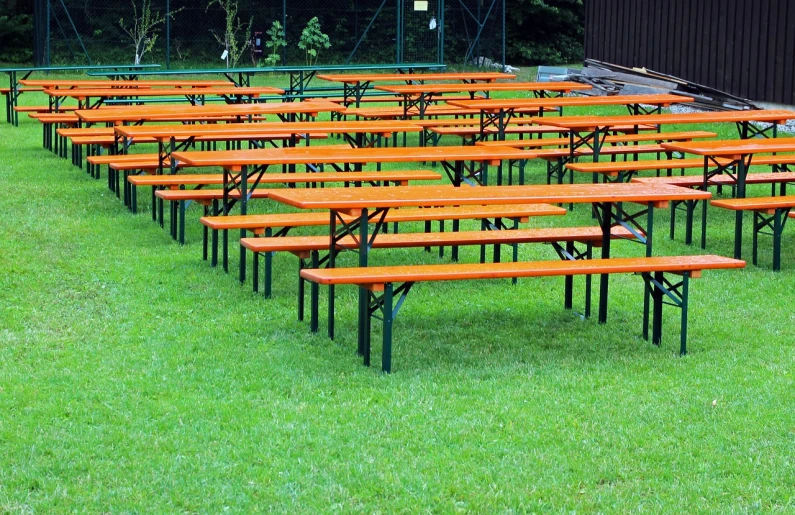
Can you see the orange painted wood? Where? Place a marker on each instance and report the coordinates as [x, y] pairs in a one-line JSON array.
[[590, 122], [344, 199], [289, 178], [165, 132], [353, 78], [734, 147], [416, 89], [319, 154], [162, 92], [694, 181], [258, 223], [495, 104], [622, 138], [81, 83], [434, 110], [613, 150], [303, 244], [196, 113], [460, 271], [755, 203]]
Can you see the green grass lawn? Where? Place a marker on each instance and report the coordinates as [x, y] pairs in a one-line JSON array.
[[135, 378]]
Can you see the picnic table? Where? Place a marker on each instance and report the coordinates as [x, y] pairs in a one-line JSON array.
[[121, 71], [591, 130], [355, 85], [358, 134], [422, 95], [499, 112], [81, 83], [300, 76], [723, 156], [370, 207], [286, 111], [231, 95]]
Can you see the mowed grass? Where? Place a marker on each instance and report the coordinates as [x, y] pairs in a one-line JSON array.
[[135, 378]]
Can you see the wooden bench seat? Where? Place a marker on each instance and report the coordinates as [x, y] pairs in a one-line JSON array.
[[615, 168], [770, 214], [436, 110], [178, 199], [177, 181], [43, 109], [308, 247], [279, 225], [386, 283], [780, 179], [6, 91], [615, 139]]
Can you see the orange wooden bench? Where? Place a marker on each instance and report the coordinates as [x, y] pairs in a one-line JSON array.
[[279, 225], [179, 181], [770, 214], [178, 199], [383, 284], [307, 248], [774, 179]]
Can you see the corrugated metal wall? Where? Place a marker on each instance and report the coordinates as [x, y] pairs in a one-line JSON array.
[[743, 47]]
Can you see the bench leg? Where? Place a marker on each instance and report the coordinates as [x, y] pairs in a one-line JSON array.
[[225, 250], [738, 234], [242, 258], [313, 298], [269, 268], [388, 318], [301, 290], [255, 274], [684, 306]]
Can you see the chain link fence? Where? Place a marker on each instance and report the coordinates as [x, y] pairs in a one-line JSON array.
[[360, 31]]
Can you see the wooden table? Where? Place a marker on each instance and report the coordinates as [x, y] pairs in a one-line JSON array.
[[174, 138], [725, 155], [230, 94], [371, 205], [355, 85], [498, 112], [422, 95], [286, 111], [81, 83], [122, 71]]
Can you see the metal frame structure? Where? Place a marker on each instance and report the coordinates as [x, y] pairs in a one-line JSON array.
[[53, 22]]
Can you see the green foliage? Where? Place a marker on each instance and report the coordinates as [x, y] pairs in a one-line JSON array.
[[16, 31], [276, 42], [237, 35], [312, 41], [545, 31], [144, 29]]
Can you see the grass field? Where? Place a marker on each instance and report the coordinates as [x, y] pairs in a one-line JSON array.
[[135, 378]]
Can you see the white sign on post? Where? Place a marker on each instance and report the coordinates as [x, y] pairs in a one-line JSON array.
[[420, 5], [223, 56]]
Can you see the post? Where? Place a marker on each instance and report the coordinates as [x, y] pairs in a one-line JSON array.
[[399, 32], [47, 49], [168, 34], [440, 34], [284, 28], [504, 65]]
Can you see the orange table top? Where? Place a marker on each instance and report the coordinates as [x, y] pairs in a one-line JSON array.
[[759, 203], [415, 89], [191, 112], [591, 122], [234, 159], [736, 148], [65, 83], [497, 104], [349, 199], [337, 127], [150, 92], [353, 78]]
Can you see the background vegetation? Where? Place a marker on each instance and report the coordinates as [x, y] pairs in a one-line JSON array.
[[538, 31]]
